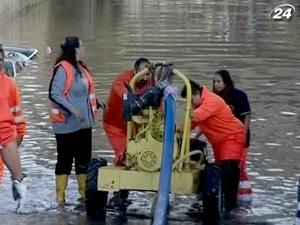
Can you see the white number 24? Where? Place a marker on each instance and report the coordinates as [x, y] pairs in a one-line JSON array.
[[284, 11]]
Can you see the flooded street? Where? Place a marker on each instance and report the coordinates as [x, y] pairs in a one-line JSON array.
[[199, 37]]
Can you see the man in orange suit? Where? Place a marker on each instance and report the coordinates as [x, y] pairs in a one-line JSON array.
[[225, 133], [12, 129], [10, 91], [114, 124]]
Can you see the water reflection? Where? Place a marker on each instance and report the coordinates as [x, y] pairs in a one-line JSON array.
[[199, 37]]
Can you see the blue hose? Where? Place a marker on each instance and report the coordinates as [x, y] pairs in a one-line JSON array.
[[297, 222], [162, 203]]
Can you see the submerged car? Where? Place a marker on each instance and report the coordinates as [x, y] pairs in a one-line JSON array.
[[16, 59], [24, 53], [13, 67]]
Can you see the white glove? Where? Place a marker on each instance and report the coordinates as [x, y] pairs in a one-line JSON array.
[[18, 190]]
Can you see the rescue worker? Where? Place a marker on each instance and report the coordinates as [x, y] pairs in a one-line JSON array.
[[10, 91], [9, 151], [73, 109], [225, 133], [223, 86], [113, 122]]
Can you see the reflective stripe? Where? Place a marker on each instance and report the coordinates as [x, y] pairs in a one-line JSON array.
[[244, 185], [16, 108], [245, 197], [19, 119], [55, 114], [18, 113], [92, 96], [245, 113], [54, 111]]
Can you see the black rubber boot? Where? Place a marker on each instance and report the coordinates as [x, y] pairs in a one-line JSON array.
[[230, 182]]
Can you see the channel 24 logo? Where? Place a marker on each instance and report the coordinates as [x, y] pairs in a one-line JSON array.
[[282, 12]]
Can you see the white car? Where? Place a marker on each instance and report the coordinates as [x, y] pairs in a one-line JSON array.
[[25, 53], [13, 67], [15, 59]]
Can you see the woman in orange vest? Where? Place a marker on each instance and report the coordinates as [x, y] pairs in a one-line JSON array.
[[9, 151], [225, 133], [114, 123], [223, 86], [10, 92], [73, 109]]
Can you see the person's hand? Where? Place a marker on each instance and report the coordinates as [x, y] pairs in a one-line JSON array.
[[101, 105], [18, 190], [179, 130], [77, 114], [19, 140], [196, 133]]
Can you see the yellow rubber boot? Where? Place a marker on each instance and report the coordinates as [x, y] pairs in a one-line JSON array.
[[61, 185], [81, 179]]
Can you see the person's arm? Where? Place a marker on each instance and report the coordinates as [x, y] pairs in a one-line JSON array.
[[18, 113], [56, 92], [247, 120], [9, 152], [203, 112], [243, 109], [119, 86], [11, 159]]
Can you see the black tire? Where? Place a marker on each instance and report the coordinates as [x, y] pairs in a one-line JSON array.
[[212, 195], [95, 200]]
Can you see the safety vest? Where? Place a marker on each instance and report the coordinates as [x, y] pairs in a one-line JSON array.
[[10, 91], [56, 115], [1, 170]]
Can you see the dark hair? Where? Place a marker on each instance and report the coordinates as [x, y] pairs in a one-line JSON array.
[[229, 85], [196, 88], [225, 75], [68, 52], [138, 62]]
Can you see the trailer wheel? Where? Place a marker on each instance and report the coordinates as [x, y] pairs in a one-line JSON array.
[[212, 195], [95, 200]]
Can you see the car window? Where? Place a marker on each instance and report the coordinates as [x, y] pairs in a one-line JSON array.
[[34, 57], [8, 68], [19, 67], [10, 55]]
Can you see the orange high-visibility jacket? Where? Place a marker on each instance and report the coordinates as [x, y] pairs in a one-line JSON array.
[[10, 95], [114, 125], [7, 127], [222, 129], [10, 91], [56, 115]]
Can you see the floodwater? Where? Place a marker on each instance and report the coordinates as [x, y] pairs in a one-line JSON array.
[[199, 37]]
